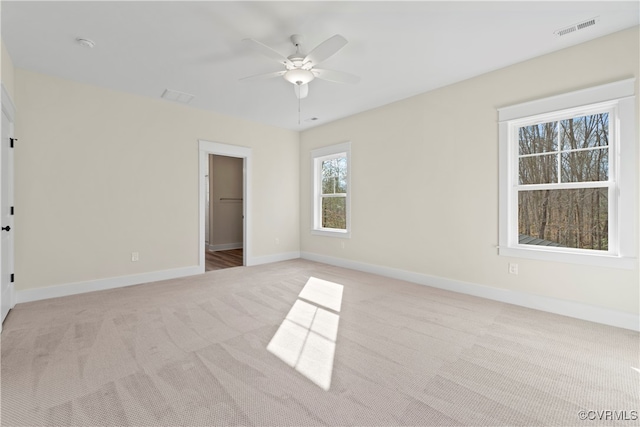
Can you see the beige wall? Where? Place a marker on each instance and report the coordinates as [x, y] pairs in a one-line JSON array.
[[100, 174], [7, 71], [225, 175], [425, 179]]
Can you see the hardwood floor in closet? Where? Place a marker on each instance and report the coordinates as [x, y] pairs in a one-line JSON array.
[[223, 259]]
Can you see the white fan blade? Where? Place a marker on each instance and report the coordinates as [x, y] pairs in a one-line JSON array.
[[267, 51], [325, 50], [301, 91], [335, 76], [263, 76]]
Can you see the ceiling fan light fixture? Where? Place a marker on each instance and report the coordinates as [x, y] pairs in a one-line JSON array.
[[298, 76]]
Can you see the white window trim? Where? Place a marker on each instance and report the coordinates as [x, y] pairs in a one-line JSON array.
[[317, 156], [624, 230]]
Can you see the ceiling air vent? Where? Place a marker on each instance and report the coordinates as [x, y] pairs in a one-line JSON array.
[[174, 95], [577, 27]]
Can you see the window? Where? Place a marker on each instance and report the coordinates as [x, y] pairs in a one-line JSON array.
[[563, 188], [331, 189], [568, 177]]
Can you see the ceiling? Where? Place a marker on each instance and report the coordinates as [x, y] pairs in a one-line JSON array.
[[399, 49]]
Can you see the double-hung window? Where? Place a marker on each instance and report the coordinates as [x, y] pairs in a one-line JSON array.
[[331, 190], [568, 177]]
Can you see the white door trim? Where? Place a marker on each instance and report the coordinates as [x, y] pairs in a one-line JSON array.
[[9, 110], [210, 147]]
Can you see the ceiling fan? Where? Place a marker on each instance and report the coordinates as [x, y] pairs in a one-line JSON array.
[[299, 69]]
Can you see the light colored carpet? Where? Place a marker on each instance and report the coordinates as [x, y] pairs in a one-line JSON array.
[[193, 351]]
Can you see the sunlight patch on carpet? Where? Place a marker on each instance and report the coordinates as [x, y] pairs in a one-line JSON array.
[[306, 338]]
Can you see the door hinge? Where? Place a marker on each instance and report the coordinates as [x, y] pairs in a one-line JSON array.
[[11, 210], [12, 140], [12, 277]]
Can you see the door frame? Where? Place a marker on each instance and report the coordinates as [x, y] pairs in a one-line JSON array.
[[217, 148], [9, 109]]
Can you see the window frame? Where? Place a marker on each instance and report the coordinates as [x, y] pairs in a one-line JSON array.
[[618, 99], [317, 157]]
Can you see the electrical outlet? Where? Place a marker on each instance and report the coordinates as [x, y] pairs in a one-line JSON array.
[[135, 256], [513, 268], [342, 243], [277, 241]]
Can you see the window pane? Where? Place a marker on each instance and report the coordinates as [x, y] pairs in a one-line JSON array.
[[341, 186], [329, 168], [566, 218], [342, 175], [334, 176], [328, 185], [539, 169], [585, 132], [581, 166], [334, 212], [538, 138]]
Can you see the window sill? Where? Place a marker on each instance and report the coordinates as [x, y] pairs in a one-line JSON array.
[[600, 260], [345, 234]]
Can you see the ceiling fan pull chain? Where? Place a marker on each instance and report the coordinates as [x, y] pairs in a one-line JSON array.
[[298, 110]]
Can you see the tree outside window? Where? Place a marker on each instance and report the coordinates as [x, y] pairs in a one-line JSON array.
[[568, 151], [334, 193]]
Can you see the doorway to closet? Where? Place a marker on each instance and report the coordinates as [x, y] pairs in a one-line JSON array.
[[224, 212], [225, 192]]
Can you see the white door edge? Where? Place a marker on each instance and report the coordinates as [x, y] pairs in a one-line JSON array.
[[9, 111]]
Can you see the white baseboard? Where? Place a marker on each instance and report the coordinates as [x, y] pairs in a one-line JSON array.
[[136, 279], [102, 284], [552, 305], [14, 297], [266, 259], [224, 246]]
